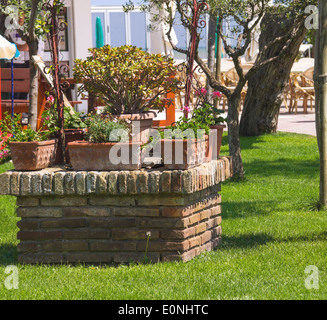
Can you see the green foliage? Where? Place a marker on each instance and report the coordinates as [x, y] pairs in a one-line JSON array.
[[72, 119], [13, 129], [106, 129], [41, 23], [126, 78]]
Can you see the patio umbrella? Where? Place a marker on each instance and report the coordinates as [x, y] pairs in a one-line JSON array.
[[159, 40], [99, 39], [8, 51]]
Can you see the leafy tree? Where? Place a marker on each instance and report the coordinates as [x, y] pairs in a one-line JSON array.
[[33, 28], [247, 15]]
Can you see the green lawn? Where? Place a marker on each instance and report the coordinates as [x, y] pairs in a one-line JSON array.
[[270, 235]]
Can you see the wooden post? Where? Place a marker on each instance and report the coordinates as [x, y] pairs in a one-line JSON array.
[[218, 58]]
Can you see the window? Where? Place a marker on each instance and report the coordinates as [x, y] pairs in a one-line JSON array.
[[122, 28]]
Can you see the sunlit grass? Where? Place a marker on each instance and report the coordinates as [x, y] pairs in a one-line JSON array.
[[270, 235]]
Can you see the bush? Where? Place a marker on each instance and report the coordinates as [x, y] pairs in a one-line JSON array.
[[126, 78]]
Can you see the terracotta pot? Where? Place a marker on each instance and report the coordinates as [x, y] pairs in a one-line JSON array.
[[209, 149], [31, 156], [220, 131], [86, 156], [142, 123], [70, 135], [179, 154]]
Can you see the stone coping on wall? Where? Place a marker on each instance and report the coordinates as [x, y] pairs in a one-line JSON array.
[[59, 181]]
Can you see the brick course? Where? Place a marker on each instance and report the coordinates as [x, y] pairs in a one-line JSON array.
[[106, 217]]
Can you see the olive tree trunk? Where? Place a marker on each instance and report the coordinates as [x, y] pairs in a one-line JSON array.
[[266, 87], [233, 135]]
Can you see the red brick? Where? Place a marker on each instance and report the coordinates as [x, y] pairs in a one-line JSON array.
[[62, 223], [195, 242], [200, 228], [176, 212], [136, 212], [28, 246], [177, 234], [112, 246], [39, 235], [205, 237], [133, 234], [216, 231], [28, 224], [195, 218], [215, 211], [158, 246]]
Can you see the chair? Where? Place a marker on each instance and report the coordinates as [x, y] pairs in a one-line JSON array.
[[231, 79], [302, 87]]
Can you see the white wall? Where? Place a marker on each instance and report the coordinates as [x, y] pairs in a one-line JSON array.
[[81, 34]]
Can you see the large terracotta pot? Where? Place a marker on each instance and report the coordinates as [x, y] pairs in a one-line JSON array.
[[142, 123], [179, 154], [87, 156], [220, 131], [31, 156], [70, 135]]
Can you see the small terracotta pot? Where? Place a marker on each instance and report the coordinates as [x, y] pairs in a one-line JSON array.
[[179, 154], [70, 135], [31, 156], [86, 156], [220, 131]]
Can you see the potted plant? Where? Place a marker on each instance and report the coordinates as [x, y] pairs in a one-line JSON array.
[[73, 126], [130, 82], [107, 147], [30, 150], [205, 113], [183, 144]]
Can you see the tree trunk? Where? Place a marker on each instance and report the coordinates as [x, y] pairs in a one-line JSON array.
[[266, 87], [33, 97], [33, 44], [233, 136], [321, 105]]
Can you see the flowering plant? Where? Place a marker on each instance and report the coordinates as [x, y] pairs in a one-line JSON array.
[[4, 155], [11, 130], [72, 119], [204, 113]]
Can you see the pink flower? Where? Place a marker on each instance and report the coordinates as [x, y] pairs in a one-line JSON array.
[[216, 94], [187, 109], [201, 92], [51, 99]]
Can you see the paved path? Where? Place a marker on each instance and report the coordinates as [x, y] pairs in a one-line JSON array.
[[297, 123]]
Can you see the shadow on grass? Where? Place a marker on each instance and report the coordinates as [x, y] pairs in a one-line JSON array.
[[8, 254], [246, 143], [284, 167], [253, 240], [245, 209]]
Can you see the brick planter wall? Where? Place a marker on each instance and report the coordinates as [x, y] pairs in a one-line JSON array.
[[106, 217]]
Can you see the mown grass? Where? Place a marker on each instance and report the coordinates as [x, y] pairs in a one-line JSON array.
[[270, 235]]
